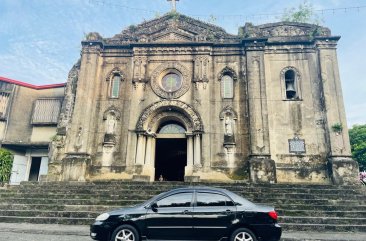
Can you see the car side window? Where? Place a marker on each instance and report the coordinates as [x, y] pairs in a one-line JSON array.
[[176, 200], [205, 199]]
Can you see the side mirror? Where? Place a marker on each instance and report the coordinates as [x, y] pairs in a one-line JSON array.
[[154, 207]]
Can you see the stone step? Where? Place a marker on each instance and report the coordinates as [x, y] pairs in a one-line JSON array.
[[322, 220], [315, 227], [118, 201], [320, 207], [301, 207], [321, 213], [165, 187], [56, 213], [53, 207], [145, 196], [47, 220], [169, 184], [148, 195]]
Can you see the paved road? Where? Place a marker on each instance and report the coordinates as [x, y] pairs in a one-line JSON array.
[[15, 236], [54, 232]]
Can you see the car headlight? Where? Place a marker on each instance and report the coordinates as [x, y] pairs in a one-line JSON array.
[[102, 217]]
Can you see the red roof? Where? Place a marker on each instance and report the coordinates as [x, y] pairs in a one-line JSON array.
[[36, 87]]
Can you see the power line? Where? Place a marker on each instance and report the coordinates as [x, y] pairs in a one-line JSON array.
[[262, 16]]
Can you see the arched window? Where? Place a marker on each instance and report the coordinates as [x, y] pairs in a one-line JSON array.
[[172, 129], [290, 83], [227, 87], [115, 85]]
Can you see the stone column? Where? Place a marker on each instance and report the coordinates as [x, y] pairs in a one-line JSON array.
[[148, 168], [261, 167], [197, 150], [190, 156], [148, 150], [140, 151], [342, 168]]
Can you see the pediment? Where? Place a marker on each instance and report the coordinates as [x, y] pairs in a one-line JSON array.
[[172, 36], [173, 27]]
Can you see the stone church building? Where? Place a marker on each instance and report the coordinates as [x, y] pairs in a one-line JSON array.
[[178, 99]]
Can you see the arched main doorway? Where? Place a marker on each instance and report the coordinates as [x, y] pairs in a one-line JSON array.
[[171, 152], [168, 141]]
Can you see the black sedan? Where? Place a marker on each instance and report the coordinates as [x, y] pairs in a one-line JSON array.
[[192, 213]]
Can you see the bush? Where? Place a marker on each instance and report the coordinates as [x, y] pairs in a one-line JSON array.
[[6, 164]]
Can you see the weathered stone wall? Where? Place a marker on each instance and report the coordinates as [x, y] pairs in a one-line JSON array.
[[100, 137]]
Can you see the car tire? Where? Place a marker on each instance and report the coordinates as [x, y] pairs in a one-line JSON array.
[[243, 234], [127, 232]]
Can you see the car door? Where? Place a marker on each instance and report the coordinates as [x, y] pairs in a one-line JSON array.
[[213, 215], [171, 219]]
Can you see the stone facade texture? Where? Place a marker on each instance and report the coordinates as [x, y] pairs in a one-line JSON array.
[[276, 124]]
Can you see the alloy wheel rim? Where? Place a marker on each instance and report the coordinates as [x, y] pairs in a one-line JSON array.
[[243, 236], [125, 235]]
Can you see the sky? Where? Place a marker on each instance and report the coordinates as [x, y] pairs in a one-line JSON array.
[[40, 39]]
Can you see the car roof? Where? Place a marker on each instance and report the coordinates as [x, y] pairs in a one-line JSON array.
[[199, 188]]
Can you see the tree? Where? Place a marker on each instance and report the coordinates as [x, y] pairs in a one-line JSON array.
[[304, 13], [357, 135], [6, 163]]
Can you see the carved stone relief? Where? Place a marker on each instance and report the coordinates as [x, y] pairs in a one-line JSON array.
[[229, 117], [139, 70], [228, 71], [113, 72], [164, 69], [79, 139], [177, 105], [111, 117], [69, 100]]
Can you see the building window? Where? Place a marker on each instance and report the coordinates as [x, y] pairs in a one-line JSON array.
[[227, 87], [290, 84], [5, 93], [115, 85], [172, 129], [46, 111], [4, 99], [114, 79]]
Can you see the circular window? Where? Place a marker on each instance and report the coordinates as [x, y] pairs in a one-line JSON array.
[[171, 82]]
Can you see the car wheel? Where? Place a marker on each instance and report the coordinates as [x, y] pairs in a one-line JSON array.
[[125, 233], [243, 234]]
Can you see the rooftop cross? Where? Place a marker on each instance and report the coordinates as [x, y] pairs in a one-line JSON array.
[[174, 5]]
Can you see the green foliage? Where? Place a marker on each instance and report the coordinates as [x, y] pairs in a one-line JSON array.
[[304, 13], [212, 19], [132, 28], [357, 135], [157, 14], [337, 127], [174, 15], [6, 163]]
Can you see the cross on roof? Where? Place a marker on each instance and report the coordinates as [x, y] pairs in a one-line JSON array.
[[174, 5]]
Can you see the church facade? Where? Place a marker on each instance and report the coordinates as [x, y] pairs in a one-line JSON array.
[[178, 99]]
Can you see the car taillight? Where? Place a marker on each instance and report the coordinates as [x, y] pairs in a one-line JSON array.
[[273, 214]]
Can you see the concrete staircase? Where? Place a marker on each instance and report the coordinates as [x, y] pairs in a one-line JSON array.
[[301, 207]]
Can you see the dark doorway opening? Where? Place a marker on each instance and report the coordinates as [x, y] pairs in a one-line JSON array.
[[170, 159], [34, 170]]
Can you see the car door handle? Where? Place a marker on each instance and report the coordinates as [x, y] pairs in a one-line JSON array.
[[228, 211], [186, 212]]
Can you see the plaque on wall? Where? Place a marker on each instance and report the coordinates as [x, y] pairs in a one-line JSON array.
[[296, 145]]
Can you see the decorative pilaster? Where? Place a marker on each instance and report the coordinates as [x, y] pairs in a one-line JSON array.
[[261, 167], [341, 167]]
